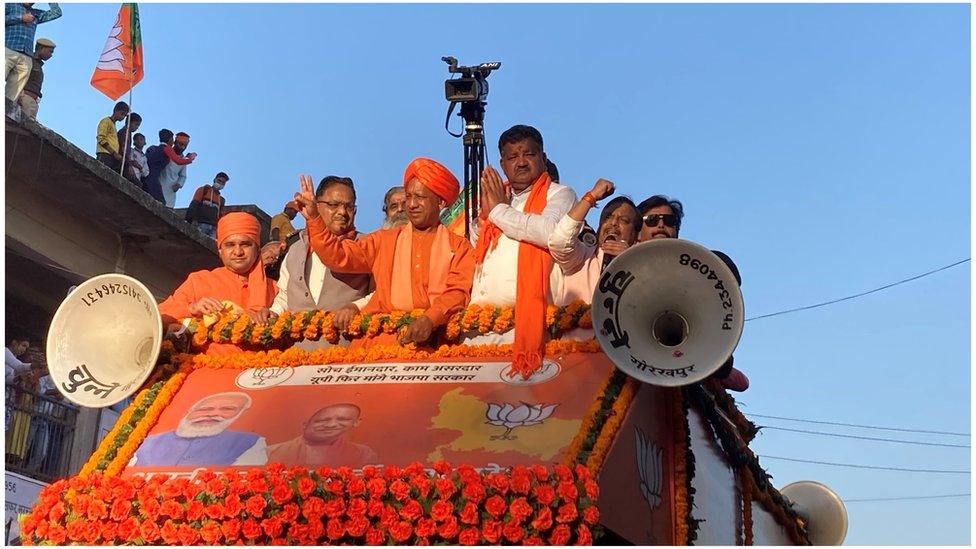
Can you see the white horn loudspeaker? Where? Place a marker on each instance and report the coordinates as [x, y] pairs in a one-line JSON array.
[[822, 510]]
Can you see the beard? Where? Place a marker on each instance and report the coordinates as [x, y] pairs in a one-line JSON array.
[[187, 429], [397, 219]]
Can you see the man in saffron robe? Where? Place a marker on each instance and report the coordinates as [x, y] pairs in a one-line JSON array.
[[323, 441], [240, 280], [431, 266], [514, 265], [202, 437]]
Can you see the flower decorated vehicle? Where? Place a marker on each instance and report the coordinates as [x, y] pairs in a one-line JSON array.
[[275, 444]]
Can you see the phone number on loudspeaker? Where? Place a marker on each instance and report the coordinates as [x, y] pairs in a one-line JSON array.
[[709, 274], [111, 289]]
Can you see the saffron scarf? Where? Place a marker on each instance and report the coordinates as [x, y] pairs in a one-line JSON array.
[[532, 285]]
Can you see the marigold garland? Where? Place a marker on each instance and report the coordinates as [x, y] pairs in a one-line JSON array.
[[110, 438], [591, 424], [682, 481], [612, 424], [231, 326], [277, 506], [747, 483]]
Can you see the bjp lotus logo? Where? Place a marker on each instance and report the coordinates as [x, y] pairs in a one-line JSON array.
[[262, 378], [510, 417]]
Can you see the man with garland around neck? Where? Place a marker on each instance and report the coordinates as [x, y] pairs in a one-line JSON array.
[[514, 264], [421, 265]]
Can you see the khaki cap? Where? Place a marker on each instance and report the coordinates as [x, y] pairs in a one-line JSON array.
[[45, 42]]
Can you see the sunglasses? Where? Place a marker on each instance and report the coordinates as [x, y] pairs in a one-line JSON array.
[[651, 220]]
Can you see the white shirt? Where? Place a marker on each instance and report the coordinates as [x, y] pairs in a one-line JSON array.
[[495, 282], [140, 159], [172, 174], [316, 276], [13, 365], [566, 248]]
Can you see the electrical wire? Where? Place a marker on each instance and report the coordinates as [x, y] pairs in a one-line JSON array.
[[886, 286], [908, 498], [822, 433], [879, 467], [838, 423]]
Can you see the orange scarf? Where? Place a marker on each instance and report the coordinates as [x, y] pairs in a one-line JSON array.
[[401, 283], [532, 286]]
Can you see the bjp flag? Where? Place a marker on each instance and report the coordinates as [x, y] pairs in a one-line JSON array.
[[119, 68]]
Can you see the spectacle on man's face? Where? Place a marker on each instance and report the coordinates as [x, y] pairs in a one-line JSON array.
[[215, 410], [238, 253], [337, 206], [619, 225], [423, 206], [523, 162], [659, 222], [329, 423], [396, 204]]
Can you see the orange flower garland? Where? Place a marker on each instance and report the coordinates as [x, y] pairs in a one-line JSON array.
[[746, 490], [109, 439], [679, 421], [609, 432], [576, 446]]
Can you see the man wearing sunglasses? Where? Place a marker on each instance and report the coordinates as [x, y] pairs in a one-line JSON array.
[[661, 217]]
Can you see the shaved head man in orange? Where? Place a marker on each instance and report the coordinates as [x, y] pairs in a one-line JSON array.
[[240, 280], [432, 266], [323, 441]]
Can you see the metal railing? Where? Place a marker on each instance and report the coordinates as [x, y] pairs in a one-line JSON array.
[[39, 432]]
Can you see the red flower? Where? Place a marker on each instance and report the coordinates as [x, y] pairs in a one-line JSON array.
[[57, 534], [194, 511], [422, 541], [563, 472], [560, 535], [425, 527], [305, 486], [389, 517], [513, 532], [57, 512], [356, 508], [583, 536], [233, 506], [375, 537], [149, 531], [374, 508], [251, 529], [520, 509], [258, 486], [400, 490], [214, 511], [469, 514], [521, 481], [188, 535], [415, 468], [254, 473], [449, 529], [533, 540], [567, 513], [171, 509], [316, 529], [411, 511], [469, 536], [255, 505], [544, 494], [356, 486], [170, 490], [491, 530], [281, 494], [445, 488], [423, 484], [468, 474], [357, 526], [592, 489], [275, 468], [335, 529], [376, 487], [279, 541], [335, 487], [313, 508], [335, 507], [272, 526], [543, 519], [97, 509], [591, 515], [231, 529], [108, 530], [495, 506], [401, 531], [474, 491], [441, 510], [80, 504], [169, 533], [442, 467], [499, 482], [391, 472], [581, 471], [369, 472], [289, 513], [540, 472], [567, 491], [75, 530], [210, 533], [191, 491], [128, 530], [324, 472]]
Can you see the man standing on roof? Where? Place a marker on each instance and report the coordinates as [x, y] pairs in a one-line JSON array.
[[173, 176], [20, 26], [31, 96], [206, 205], [281, 227]]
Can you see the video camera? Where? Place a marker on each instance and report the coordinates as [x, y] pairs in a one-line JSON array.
[[473, 84]]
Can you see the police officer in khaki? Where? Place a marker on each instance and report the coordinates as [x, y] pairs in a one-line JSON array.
[[30, 97]]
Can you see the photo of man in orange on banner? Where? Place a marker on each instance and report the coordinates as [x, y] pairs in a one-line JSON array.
[[354, 415], [120, 67]]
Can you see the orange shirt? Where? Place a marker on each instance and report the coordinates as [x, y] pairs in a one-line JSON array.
[[220, 283], [374, 253], [339, 453]]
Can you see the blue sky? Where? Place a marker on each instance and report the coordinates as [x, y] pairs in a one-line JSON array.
[[825, 148]]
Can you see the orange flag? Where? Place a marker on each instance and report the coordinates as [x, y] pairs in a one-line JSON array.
[[119, 68]]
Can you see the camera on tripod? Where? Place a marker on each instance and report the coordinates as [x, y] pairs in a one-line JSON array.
[[473, 84]]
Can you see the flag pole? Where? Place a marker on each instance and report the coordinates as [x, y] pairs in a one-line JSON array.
[[128, 126]]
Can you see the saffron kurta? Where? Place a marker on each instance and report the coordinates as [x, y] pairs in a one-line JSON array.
[[375, 253], [221, 284], [340, 452]]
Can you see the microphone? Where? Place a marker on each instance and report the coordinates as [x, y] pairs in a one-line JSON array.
[[607, 258]]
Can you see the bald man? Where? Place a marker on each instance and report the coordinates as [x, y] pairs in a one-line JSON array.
[[432, 266], [323, 441], [202, 437]]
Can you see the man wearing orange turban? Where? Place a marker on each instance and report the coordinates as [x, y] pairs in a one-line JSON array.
[[421, 265], [240, 280]]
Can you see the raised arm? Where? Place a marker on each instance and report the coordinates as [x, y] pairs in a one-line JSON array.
[[51, 14], [340, 255], [564, 245], [175, 158]]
